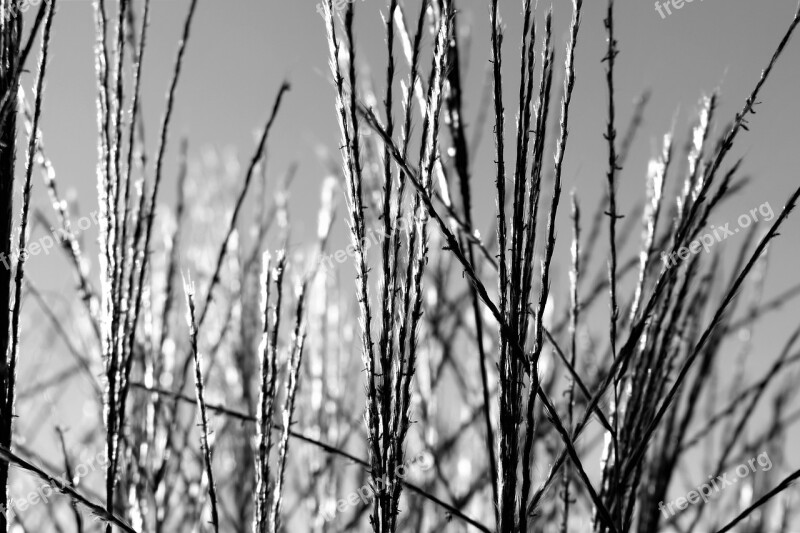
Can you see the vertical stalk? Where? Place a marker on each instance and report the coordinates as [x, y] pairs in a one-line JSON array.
[[9, 50]]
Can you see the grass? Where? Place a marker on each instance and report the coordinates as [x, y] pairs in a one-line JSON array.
[[327, 383]]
